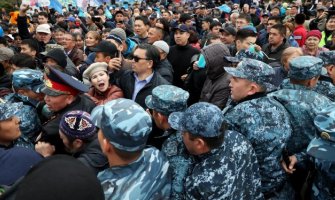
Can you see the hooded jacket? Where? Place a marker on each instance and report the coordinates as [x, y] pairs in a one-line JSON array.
[[216, 87]]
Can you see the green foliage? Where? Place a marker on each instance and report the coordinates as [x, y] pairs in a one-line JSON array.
[[9, 4]]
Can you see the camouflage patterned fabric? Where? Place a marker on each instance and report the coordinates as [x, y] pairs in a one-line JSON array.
[[265, 123], [167, 99], [229, 172], [124, 123], [181, 163], [8, 110], [305, 67], [202, 119], [145, 178], [29, 79], [127, 125], [255, 71], [303, 104], [328, 57], [244, 53], [322, 149]]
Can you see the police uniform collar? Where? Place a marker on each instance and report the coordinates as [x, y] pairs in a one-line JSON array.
[[254, 96], [212, 152]]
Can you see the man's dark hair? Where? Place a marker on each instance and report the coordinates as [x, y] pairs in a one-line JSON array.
[[281, 28], [242, 34], [212, 142], [152, 53], [300, 19], [145, 20], [106, 30], [32, 44], [215, 23], [184, 17], [60, 29], [275, 18], [44, 14], [3, 41], [22, 60], [247, 17]]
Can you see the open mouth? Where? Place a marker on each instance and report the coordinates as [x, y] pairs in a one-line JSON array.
[[101, 85]]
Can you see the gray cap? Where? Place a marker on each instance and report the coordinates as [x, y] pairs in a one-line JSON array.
[[119, 32], [6, 53], [201, 119], [305, 67], [167, 99], [255, 71], [124, 123], [162, 45]]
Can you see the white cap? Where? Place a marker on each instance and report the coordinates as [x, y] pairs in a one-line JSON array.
[[162, 45], [43, 28]]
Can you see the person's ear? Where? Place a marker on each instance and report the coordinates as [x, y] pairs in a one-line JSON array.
[[200, 144], [253, 88]]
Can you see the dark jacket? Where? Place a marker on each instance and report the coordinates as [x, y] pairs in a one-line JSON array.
[[77, 56], [216, 91], [92, 156], [127, 85], [274, 56], [164, 68], [24, 33], [50, 129]]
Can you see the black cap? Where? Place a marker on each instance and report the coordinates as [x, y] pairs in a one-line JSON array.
[[57, 55], [230, 30], [106, 47], [59, 83]]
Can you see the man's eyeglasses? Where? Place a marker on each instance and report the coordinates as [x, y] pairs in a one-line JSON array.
[[136, 58]]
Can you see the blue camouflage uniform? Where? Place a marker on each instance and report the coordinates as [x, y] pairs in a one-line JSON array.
[[166, 99], [126, 125], [265, 123], [302, 103], [30, 124], [325, 84], [322, 150], [229, 171]]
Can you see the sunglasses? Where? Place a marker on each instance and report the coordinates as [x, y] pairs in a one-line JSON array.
[[136, 58]]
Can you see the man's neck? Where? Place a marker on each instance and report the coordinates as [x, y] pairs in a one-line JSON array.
[[144, 75], [144, 35], [69, 49], [273, 47]]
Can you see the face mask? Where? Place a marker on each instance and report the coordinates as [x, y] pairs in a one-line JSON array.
[[201, 61]]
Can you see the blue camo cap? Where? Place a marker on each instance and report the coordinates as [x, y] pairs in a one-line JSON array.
[[245, 53], [29, 79], [328, 57], [255, 71], [124, 123], [167, 99], [305, 67], [323, 147], [201, 119], [8, 110]]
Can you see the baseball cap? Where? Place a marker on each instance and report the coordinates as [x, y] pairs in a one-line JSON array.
[[230, 30], [43, 28], [201, 119], [124, 123], [28, 78], [6, 53], [162, 45], [71, 19], [305, 67], [167, 99], [181, 27]]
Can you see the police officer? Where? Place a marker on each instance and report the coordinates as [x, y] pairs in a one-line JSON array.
[[62, 94], [325, 85], [135, 172], [303, 104], [27, 85], [322, 148], [226, 166], [164, 100], [263, 120]]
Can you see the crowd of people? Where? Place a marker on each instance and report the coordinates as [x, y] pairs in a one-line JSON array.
[[168, 100]]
